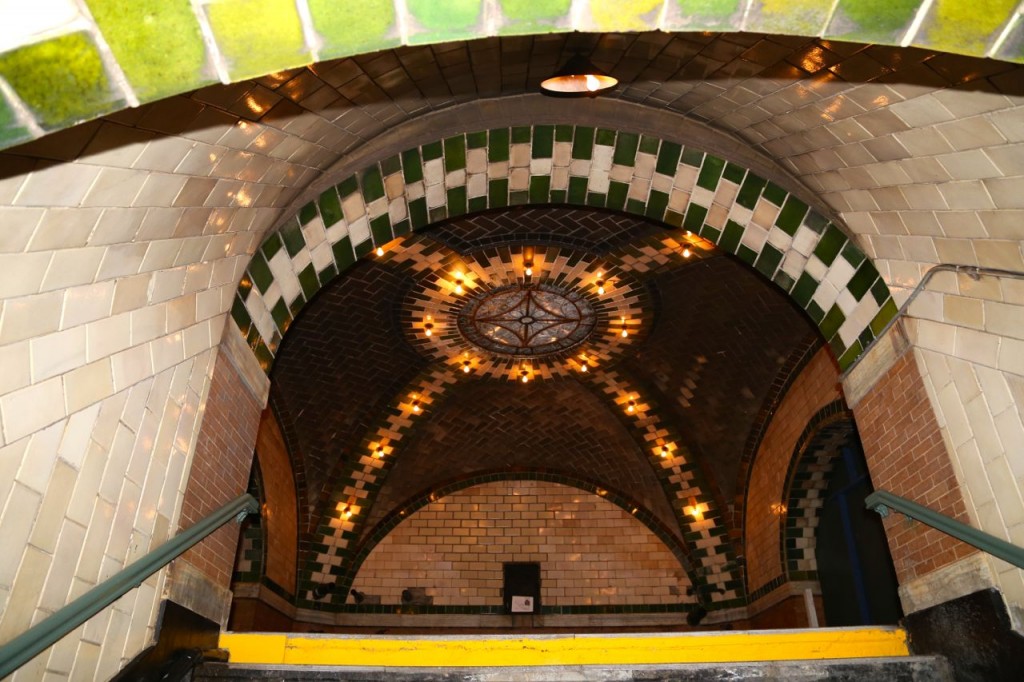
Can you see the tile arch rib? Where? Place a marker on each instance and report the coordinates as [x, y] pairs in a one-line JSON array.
[[770, 229], [117, 57], [814, 457], [422, 498]]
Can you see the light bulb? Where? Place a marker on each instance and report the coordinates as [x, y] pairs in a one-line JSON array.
[[686, 252], [664, 451], [466, 367], [458, 286], [584, 367], [428, 329], [524, 376], [416, 406], [529, 271], [631, 408], [592, 82], [380, 251], [600, 286], [379, 452], [624, 333]]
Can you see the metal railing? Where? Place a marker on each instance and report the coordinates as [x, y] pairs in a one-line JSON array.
[[45, 634], [882, 501]]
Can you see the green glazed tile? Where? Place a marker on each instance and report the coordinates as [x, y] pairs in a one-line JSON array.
[[344, 256], [577, 190], [240, 315], [617, 192], [837, 346], [851, 354], [349, 185], [434, 150], [636, 207], [657, 202], [563, 133], [791, 215], [731, 236], [353, 27], [605, 137], [583, 143], [457, 201], [308, 281], [866, 337], [852, 255], [11, 131], [477, 204], [649, 145], [327, 274], [710, 172], [330, 207], [477, 140], [260, 272], [271, 246], [498, 145], [372, 184], [795, 17], [831, 323], [62, 80], [307, 213], [521, 135], [695, 215], [873, 20], [815, 311], [804, 290], [692, 157], [391, 165], [815, 221], [518, 198], [497, 193], [158, 44], [830, 244], [674, 219], [734, 173], [380, 230], [625, 149], [543, 142], [294, 242], [533, 11], [364, 248], [887, 312], [558, 196], [264, 356], [454, 153], [258, 36], [750, 190], [862, 280], [540, 189], [774, 194], [244, 287], [783, 280], [596, 199], [768, 261], [412, 167], [668, 158], [879, 291], [418, 213]]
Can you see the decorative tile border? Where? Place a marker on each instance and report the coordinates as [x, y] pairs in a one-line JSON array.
[[817, 449], [774, 232], [82, 60]]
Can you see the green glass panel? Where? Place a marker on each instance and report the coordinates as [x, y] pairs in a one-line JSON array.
[[498, 145], [330, 207], [258, 36], [62, 80], [352, 27], [158, 44], [455, 153]]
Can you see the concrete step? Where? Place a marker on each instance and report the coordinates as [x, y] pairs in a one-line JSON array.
[[890, 669]]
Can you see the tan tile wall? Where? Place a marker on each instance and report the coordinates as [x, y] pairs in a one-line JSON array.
[[906, 456], [816, 387], [590, 551]]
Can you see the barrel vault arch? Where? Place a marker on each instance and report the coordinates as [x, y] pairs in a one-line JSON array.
[[770, 229]]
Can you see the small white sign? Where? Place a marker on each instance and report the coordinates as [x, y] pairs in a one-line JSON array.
[[522, 604]]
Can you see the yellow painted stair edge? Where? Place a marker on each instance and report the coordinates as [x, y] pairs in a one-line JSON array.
[[554, 650]]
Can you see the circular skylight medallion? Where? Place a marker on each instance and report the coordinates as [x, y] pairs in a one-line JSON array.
[[530, 320]]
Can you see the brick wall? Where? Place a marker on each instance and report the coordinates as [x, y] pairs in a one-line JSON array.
[[817, 386], [279, 509], [906, 456], [590, 551], [220, 468]]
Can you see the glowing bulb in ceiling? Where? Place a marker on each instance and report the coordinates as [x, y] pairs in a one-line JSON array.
[[380, 251]]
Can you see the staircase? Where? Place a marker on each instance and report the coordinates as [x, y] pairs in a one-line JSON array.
[[853, 654]]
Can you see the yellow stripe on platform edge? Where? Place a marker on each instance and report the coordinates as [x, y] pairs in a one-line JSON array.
[[555, 650]]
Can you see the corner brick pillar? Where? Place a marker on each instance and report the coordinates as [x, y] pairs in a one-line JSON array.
[[906, 456], [200, 579]]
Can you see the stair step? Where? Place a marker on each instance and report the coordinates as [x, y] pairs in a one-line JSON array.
[[886, 669]]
